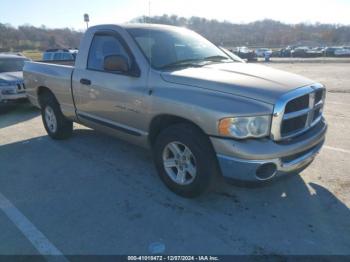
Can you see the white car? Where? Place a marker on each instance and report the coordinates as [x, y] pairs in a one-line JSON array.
[[344, 51], [260, 52], [11, 77]]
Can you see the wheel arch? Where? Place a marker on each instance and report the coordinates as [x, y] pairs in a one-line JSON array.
[[160, 122], [43, 91]]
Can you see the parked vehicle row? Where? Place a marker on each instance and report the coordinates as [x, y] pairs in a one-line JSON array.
[[262, 52], [305, 51], [244, 53], [250, 54], [291, 51]]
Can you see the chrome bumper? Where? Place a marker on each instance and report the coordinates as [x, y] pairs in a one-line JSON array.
[[13, 96], [290, 157]]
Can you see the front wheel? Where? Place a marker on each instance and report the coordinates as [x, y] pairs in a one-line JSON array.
[[56, 125], [185, 160]]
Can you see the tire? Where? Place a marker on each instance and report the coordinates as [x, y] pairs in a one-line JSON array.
[[55, 123], [203, 159]]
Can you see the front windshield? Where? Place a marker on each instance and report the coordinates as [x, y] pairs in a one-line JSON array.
[[11, 64], [176, 47]]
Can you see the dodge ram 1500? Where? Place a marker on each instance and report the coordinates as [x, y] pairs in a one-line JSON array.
[[202, 112]]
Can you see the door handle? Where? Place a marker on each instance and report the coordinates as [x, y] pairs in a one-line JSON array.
[[85, 81]]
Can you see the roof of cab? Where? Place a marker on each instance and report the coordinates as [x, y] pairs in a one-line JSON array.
[[140, 26]]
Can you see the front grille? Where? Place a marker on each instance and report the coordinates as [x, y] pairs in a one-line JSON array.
[[297, 104], [290, 126], [317, 114], [318, 95], [297, 112], [21, 88]]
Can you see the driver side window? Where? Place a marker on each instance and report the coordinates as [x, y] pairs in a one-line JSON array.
[[102, 46]]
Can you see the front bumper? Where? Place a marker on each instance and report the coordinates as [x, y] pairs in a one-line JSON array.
[[17, 92], [12, 97], [247, 160]]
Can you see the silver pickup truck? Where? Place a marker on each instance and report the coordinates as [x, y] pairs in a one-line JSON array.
[[202, 112]]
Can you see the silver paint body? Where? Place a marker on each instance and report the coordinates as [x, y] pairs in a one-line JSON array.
[[201, 95], [15, 80]]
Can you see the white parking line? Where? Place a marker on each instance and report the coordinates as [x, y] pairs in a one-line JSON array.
[[39, 241], [337, 149]]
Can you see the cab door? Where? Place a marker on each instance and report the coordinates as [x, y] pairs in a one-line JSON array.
[[111, 99]]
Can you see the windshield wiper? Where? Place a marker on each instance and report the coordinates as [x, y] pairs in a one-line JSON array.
[[216, 58], [185, 62], [198, 62]]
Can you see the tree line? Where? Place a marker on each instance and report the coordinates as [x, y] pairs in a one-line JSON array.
[[267, 33], [28, 37]]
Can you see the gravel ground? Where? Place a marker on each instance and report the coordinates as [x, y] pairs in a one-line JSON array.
[[93, 194]]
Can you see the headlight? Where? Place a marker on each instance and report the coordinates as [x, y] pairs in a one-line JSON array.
[[4, 83], [245, 127], [10, 83], [11, 91]]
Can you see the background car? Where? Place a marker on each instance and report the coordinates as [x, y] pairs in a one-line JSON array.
[[286, 52], [330, 51], [60, 55], [245, 53], [12, 87], [231, 54], [276, 53], [344, 51], [299, 51], [260, 52], [315, 52]]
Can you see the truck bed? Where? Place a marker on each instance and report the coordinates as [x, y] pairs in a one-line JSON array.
[[58, 62], [55, 76]]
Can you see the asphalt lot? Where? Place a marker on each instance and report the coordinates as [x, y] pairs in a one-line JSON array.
[[93, 194]]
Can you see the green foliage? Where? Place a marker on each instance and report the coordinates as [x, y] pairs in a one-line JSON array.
[[33, 38], [33, 54], [260, 33]]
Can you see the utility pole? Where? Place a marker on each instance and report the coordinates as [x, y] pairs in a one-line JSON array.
[[86, 20]]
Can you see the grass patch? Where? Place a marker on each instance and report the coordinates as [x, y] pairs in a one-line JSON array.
[[33, 54]]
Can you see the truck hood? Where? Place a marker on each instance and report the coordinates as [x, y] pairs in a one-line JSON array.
[[11, 77], [249, 80]]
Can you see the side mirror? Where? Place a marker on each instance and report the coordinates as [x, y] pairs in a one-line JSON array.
[[116, 63]]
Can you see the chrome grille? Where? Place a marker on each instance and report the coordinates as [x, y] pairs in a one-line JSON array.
[[20, 87], [297, 111], [297, 104]]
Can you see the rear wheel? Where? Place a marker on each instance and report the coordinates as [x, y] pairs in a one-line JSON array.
[[56, 124], [185, 160]]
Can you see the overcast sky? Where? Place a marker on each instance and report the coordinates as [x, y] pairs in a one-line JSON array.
[[65, 13]]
